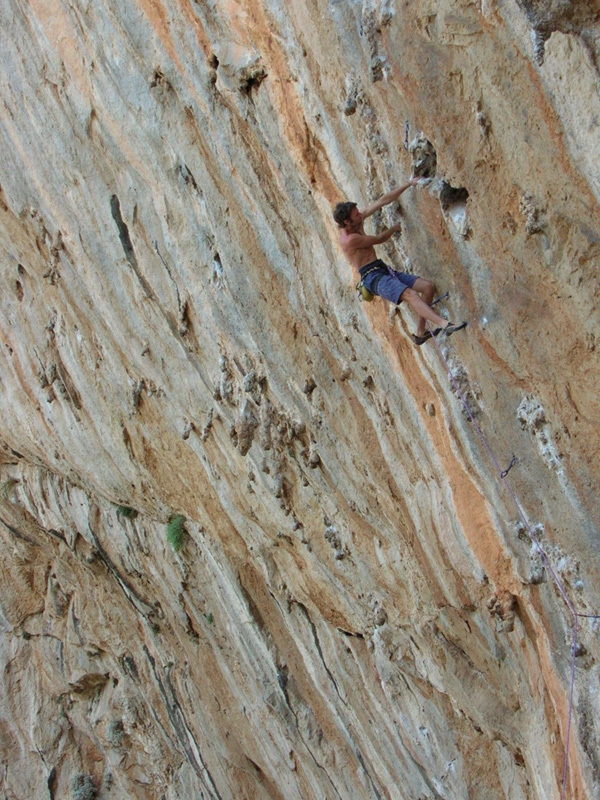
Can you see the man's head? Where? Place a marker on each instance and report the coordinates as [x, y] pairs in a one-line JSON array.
[[342, 213]]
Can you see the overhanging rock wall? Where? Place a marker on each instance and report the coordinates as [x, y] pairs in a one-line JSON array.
[[358, 610]]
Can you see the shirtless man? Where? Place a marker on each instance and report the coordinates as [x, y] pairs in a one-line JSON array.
[[378, 278]]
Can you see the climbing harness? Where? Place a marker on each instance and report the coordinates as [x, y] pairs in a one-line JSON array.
[[367, 296], [551, 571]]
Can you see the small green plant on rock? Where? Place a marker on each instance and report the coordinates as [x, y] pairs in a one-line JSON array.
[[127, 512], [82, 788], [7, 487], [114, 732], [176, 532]]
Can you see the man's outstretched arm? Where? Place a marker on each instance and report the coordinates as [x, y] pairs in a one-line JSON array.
[[356, 241], [387, 198]]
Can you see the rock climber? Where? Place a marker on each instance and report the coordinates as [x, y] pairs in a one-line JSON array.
[[380, 279]]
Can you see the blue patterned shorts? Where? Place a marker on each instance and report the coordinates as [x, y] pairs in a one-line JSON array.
[[386, 282]]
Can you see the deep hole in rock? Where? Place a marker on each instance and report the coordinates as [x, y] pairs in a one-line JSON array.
[[449, 196]]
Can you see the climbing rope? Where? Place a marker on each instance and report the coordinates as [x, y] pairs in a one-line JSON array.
[[576, 615]]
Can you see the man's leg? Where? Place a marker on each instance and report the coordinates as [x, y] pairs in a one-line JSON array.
[[427, 290], [422, 306]]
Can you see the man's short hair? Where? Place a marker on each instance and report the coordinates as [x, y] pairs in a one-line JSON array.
[[342, 212]]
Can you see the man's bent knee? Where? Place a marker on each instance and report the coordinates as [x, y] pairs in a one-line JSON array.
[[423, 286]]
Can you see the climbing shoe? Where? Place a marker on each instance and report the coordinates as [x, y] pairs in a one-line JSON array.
[[452, 328], [419, 340]]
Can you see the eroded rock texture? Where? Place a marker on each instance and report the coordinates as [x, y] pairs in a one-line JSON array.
[[357, 610]]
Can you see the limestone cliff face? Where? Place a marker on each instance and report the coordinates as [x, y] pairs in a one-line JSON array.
[[358, 610]]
